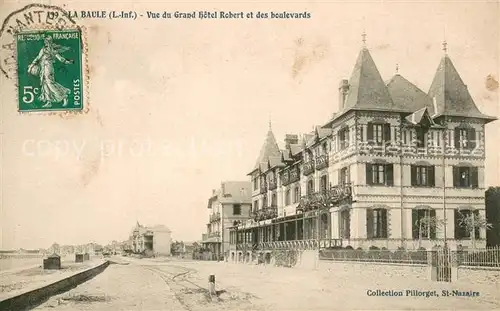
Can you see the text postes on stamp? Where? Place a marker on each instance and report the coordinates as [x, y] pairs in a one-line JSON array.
[[49, 66]]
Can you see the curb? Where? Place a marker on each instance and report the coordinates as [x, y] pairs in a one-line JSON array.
[[33, 298]]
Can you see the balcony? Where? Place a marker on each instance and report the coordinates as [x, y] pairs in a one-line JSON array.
[[321, 162], [265, 213], [326, 199], [263, 188], [214, 234], [273, 185], [308, 168], [215, 217], [290, 176]]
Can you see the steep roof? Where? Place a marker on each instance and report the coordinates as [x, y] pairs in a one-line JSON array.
[[450, 93], [275, 162], [407, 96], [269, 149], [367, 90]]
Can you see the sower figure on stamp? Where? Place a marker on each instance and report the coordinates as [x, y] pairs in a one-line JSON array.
[[42, 66]]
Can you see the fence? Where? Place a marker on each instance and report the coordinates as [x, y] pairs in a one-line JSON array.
[[380, 256], [489, 257]]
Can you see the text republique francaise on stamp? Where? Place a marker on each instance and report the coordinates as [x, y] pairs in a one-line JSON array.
[[42, 49]]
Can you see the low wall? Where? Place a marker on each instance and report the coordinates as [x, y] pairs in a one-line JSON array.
[[35, 297], [377, 270], [479, 275]]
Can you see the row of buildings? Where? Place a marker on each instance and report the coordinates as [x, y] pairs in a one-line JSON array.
[[391, 157], [150, 240]]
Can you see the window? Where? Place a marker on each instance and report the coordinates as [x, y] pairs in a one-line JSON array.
[[379, 133], [345, 224], [462, 231], [255, 184], [376, 223], [420, 137], [236, 209], [325, 148], [255, 206], [324, 183], [436, 139], [422, 176], [344, 177], [287, 197], [465, 177], [465, 138], [343, 138], [310, 187], [424, 223], [404, 135], [273, 200], [379, 174], [296, 195], [264, 201]]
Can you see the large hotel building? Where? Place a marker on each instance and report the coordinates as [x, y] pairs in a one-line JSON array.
[[390, 156]]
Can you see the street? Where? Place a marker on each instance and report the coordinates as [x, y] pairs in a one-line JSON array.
[[182, 285]]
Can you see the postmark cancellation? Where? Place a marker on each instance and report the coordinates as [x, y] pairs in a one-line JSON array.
[[48, 62]]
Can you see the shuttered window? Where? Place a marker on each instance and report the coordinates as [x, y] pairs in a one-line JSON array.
[[378, 133], [422, 176], [465, 138], [424, 224], [345, 224], [461, 229], [310, 187], [343, 135], [465, 177], [376, 223], [379, 174]]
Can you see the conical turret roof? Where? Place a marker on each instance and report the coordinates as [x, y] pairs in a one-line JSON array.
[[367, 89], [269, 149], [450, 94]]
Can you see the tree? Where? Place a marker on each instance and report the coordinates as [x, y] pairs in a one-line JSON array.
[[471, 222], [428, 224], [492, 197]]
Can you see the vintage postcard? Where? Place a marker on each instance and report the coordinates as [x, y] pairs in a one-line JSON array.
[[250, 155]]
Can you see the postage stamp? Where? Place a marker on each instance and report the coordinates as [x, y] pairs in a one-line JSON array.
[[49, 66], [45, 54]]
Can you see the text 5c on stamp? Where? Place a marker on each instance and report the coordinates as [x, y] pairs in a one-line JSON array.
[[49, 66]]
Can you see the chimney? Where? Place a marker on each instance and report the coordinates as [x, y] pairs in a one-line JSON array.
[[343, 90], [291, 139], [213, 192]]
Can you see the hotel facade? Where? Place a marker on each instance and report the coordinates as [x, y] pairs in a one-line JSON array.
[[228, 205], [391, 157]]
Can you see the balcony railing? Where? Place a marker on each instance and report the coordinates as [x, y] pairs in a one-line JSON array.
[[265, 213], [263, 189], [308, 168], [291, 175], [325, 199], [214, 234], [273, 185], [215, 217], [321, 162]]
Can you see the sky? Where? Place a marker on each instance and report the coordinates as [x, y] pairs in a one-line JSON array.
[[177, 106]]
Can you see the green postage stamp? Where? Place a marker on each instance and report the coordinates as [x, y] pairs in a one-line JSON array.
[[49, 66]]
